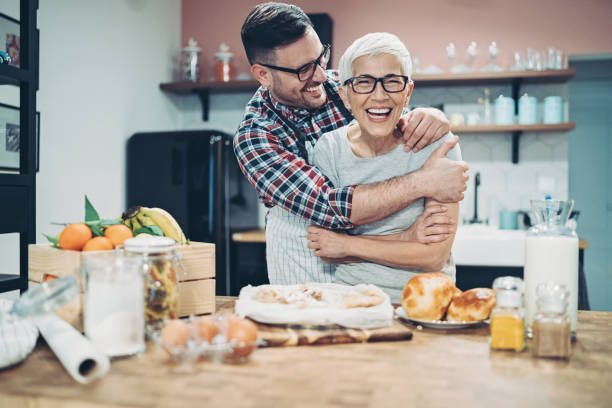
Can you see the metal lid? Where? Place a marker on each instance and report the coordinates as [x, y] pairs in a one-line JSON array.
[[46, 297], [147, 244]]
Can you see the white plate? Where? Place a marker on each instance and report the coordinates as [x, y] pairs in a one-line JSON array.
[[437, 324]]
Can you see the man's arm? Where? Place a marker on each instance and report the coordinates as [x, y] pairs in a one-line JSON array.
[[285, 179], [440, 178]]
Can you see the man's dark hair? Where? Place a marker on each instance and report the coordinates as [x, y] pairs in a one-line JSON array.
[[270, 25]]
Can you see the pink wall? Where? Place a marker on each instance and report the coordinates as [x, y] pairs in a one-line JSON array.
[[578, 27]]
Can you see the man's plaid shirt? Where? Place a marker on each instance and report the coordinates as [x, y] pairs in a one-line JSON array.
[[269, 156]]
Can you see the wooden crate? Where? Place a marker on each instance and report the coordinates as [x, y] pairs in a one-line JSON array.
[[196, 288]]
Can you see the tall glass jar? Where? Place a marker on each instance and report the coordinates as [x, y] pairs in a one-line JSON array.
[[114, 320], [551, 323], [190, 64], [507, 330], [551, 254], [162, 269]]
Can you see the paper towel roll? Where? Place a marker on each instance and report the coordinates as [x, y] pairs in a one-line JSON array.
[[76, 353]]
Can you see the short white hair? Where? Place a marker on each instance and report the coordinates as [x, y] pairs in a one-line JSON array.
[[374, 44]]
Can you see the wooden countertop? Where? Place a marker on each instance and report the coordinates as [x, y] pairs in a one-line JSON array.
[[259, 236], [434, 369]]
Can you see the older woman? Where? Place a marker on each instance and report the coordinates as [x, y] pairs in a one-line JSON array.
[[375, 73]]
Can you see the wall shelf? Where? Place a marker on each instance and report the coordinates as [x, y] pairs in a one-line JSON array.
[[516, 78], [516, 130], [538, 127]]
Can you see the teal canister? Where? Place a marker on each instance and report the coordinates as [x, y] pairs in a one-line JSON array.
[[508, 220], [552, 110], [504, 110], [527, 110]]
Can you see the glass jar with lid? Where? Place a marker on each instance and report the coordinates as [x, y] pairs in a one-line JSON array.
[[551, 323], [507, 330], [162, 269]]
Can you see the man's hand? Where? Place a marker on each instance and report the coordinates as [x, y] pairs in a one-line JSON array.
[[326, 243], [432, 226], [423, 126], [445, 178]]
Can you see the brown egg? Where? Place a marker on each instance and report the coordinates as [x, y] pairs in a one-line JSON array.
[[243, 333], [174, 334], [206, 328]]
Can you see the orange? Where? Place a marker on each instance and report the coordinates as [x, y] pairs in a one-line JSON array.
[[118, 233], [74, 236], [98, 244]]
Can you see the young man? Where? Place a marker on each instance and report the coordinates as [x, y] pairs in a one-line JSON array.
[[297, 103]]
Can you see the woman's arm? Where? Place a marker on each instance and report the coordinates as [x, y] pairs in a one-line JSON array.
[[394, 253]]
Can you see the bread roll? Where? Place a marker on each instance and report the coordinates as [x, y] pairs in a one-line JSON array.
[[427, 295], [472, 305]]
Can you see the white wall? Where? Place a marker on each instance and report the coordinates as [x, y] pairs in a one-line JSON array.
[[101, 64]]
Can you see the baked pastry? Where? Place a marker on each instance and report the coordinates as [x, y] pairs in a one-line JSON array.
[[427, 295], [472, 305]]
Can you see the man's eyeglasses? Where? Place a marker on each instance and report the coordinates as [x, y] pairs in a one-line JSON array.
[[306, 71], [365, 84]]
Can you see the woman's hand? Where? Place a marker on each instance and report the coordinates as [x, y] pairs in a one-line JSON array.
[[326, 243], [432, 226]]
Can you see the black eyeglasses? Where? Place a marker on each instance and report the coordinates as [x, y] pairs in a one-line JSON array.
[[306, 71], [365, 84]]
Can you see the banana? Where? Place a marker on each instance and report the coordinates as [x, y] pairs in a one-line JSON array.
[[144, 219], [165, 222], [135, 224], [129, 218]]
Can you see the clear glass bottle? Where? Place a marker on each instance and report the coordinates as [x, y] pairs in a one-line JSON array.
[[551, 323], [551, 254], [162, 269], [507, 330]]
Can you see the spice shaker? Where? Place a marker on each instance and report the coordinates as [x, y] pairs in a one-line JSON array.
[[507, 329], [162, 268], [551, 323]]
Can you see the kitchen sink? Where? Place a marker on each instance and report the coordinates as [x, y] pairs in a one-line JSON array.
[[483, 245]]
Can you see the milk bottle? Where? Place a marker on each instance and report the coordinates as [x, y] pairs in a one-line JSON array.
[[551, 254]]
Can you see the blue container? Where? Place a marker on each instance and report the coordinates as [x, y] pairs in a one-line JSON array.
[[527, 110], [552, 110], [504, 110], [508, 220]]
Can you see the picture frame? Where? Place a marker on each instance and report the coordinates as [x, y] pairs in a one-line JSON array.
[[10, 138], [10, 38]]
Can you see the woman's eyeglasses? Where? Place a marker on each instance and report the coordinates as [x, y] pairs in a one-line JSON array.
[[306, 71], [365, 84]]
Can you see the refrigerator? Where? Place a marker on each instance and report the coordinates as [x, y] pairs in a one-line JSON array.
[[195, 177]]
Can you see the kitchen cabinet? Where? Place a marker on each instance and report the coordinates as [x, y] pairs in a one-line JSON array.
[[18, 188]]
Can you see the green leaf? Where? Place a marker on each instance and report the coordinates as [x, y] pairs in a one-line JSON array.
[[53, 240], [96, 227], [90, 212], [108, 223], [150, 229]]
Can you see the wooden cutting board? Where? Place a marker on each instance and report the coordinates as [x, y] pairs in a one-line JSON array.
[[276, 336]]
